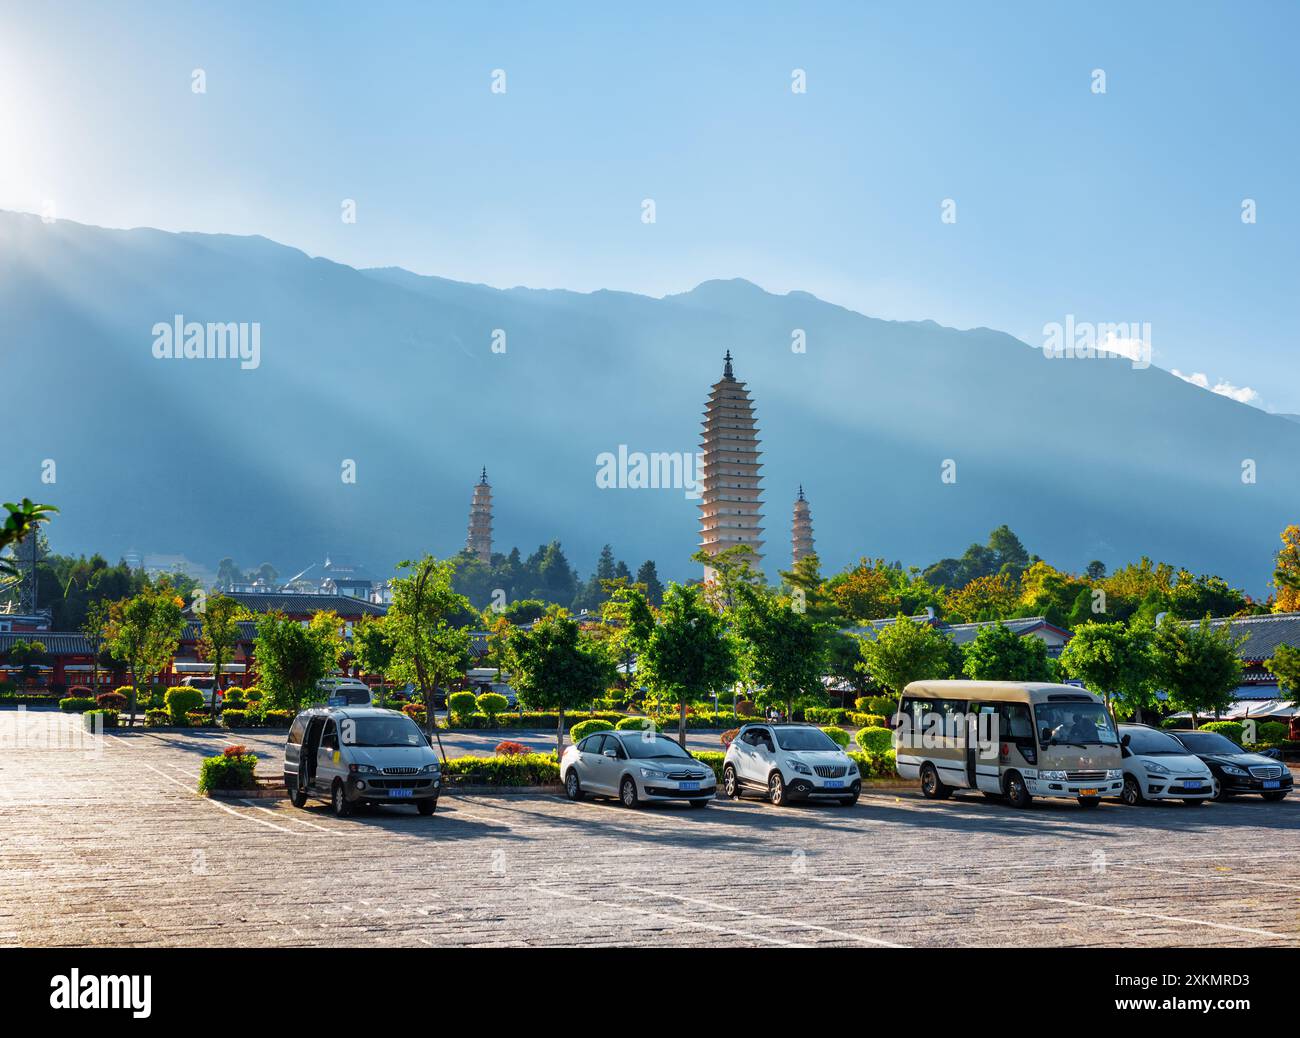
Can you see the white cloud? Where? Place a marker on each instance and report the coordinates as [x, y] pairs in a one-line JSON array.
[[1241, 394], [1133, 349]]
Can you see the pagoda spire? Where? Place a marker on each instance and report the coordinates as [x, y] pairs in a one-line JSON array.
[[731, 499], [801, 531], [726, 367], [478, 539]]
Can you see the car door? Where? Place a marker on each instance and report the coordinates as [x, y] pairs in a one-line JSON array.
[[590, 763], [328, 758], [756, 755], [613, 759]]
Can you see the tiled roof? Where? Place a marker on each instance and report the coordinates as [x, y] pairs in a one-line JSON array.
[[57, 643], [1263, 633], [346, 606], [194, 630], [1022, 625]]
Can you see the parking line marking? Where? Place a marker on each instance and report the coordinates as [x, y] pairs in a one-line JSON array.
[[621, 907], [1109, 908], [295, 818], [214, 803], [763, 915], [1227, 878]]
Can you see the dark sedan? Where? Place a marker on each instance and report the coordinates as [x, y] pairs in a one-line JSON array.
[[1235, 770]]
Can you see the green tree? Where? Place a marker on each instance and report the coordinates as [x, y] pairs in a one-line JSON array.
[[144, 632], [649, 576], [683, 651], [1115, 660], [219, 618], [26, 655], [291, 658], [373, 649], [94, 628], [430, 649], [23, 520], [1285, 666], [733, 568], [555, 666], [902, 652], [785, 653], [1197, 665], [999, 654]]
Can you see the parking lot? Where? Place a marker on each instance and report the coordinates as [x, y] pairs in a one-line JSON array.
[[113, 847]]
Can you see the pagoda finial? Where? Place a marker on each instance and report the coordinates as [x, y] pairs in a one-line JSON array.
[[726, 368], [800, 491], [483, 478]]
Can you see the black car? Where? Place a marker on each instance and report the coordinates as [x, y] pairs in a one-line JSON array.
[[1235, 770]]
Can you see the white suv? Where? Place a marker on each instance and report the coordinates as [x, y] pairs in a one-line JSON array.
[[787, 762], [1158, 767]]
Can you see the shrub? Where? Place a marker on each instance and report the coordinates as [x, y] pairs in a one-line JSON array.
[[109, 716], [111, 700], [837, 735], [76, 704], [278, 718], [253, 695], [1229, 729], [744, 708], [527, 769], [585, 728], [228, 771], [157, 718], [492, 703], [713, 759], [235, 718], [883, 705], [875, 740], [1271, 732], [876, 765], [638, 724], [824, 715], [461, 702], [729, 736], [181, 701], [198, 719], [510, 749], [867, 720], [233, 699]]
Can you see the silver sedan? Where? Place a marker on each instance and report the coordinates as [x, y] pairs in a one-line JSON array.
[[635, 766]]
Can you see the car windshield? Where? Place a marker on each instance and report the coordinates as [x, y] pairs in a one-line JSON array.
[[1076, 724], [385, 731], [1208, 742], [640, 748], [804, 739], [1149, 741]]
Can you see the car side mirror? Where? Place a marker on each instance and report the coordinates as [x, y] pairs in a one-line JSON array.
[[1125, 740], [612, 754], [1045, 736]]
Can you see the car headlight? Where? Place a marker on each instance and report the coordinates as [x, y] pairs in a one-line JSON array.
[[799, 766], [1114, 775], [1232, 769], [853, 766], [651, 773], [430, 769], [1052, 776], [1154, 768], [365, 769]]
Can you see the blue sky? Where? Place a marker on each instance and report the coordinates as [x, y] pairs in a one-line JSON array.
[[1122, 207]]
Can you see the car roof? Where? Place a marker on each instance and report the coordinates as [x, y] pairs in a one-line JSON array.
[[351, 711]]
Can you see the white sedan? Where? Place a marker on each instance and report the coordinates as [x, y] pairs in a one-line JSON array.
[[1159, 767]]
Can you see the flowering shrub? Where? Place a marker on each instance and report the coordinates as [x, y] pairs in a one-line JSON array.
[[228, 772], [510, 749], [111, 700], [234, 751]]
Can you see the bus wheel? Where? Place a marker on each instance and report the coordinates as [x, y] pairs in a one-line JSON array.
[[1089, 801], [1017, 794], [931, 787]]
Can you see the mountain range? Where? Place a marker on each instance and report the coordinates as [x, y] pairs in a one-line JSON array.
[[407, 382]]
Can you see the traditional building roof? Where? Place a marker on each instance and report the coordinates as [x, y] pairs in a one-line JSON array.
[[346, 606], [57, 643], [1264, 633]]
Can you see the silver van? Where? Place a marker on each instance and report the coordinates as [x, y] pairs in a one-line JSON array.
[[357, 756]]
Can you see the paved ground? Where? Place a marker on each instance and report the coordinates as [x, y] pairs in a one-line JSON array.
[[113, 847]]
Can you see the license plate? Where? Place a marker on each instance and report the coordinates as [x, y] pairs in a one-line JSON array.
[[1087, 792], [834, 784], [1189, 788], [400, 792], [1272, 783], [688, 785]]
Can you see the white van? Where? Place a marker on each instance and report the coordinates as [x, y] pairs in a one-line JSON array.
[[345, 692]]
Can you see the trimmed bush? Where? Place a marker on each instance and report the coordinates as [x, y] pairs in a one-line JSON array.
[[181, 701], [278, 718], [1271, 732], [867, 720], [76, 705], [824, 715], [713, 759], [837, 735], [492, 703], [228, 771], [883, 705], [198, 719], [462, 702], [109, 716], [233, 699], [236, 718], [510, 749], [638, 724], [111, 700], [157, 718], [875, 740], [527, 769], [253, 695], [744, 708], [1229, 729], [876, 765], [585, 728]]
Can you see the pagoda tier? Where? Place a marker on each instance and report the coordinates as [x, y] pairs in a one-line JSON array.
[[479, 538], [801, 531], [731, 496]]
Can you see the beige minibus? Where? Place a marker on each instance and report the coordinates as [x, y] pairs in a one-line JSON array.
[[1009, 739]]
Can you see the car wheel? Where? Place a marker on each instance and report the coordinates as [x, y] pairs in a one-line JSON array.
[[428, 806], [1017, 794], [1274, 797], [1132, 792], [1089, 801], [627, 792], [931, 787], [776, 789], [297, 795], [340, 800], [849, 801], [698, 803], [730, 784], [1220, 793], [572, 787]]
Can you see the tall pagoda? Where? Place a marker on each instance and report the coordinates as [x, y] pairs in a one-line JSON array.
[[801, 532], [479, 538], [730, 500]]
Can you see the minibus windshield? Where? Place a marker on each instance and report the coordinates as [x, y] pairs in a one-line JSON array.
[[1076, 724], [387, 731]]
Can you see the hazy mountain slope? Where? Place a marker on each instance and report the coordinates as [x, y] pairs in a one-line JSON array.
[[1083, 458]]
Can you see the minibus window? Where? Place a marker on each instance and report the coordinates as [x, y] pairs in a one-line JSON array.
[[1077, 724]]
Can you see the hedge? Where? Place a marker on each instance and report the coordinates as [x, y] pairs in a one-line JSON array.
[[531, 719], [233, 771], [713, 758], [157, 718], [76, 704], [876, 765], [585, 728], [492, 703], [639, 724], [837, 735], [528, 769], [1272, 732], [111, 700], [109, 717], [884, 705], [824, 715], [1229, 729], [875, 740], [198, 719], [181, 701], [278, 718], [866, 720], [234, 718]]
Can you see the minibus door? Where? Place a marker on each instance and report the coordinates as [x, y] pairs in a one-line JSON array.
[[982, 749]]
